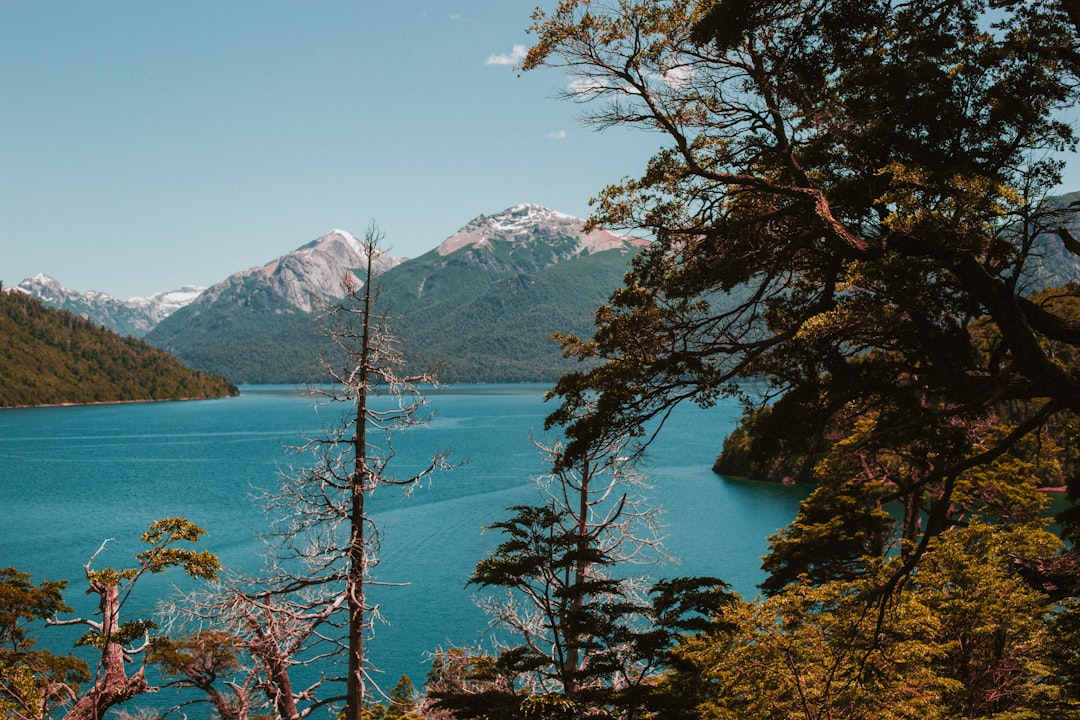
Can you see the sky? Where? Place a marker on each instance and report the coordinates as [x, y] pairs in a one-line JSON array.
[[151, 144]]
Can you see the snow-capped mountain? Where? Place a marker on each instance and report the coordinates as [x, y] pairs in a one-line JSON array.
[[485, 301], [304, 278], [527, 223], [134, 316]]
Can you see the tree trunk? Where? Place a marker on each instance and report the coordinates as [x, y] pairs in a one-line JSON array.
[[113, 686], [355, 690]]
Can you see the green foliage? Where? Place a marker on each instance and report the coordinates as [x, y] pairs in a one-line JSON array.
[[840, 530], [201, 657], [21, 601], [31, 679], [254, 338], [162, 535], [126, 634], [400, 705], [53, 357], [964, 639]]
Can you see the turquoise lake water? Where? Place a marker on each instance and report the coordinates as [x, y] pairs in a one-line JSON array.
[[72, 477]]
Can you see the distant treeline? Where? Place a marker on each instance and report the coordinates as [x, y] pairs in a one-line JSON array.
[[52, 357]]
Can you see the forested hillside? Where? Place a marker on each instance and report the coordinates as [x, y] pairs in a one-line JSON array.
[[251, 338], [53, 357], [500, 330]]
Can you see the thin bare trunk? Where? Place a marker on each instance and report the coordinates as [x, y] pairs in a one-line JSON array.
[[358, 543]]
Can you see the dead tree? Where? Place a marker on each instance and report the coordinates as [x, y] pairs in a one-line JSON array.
[[313, 604]]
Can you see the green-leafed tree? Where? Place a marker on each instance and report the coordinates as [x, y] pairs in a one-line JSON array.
[[33, 682], [965, 638], [576, 633], [401, 704], [849, 208], [35, 685], [205, 660]]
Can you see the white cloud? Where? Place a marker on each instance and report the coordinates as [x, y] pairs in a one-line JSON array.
[[678, 77], [586, 87], [515, 57], [557, 135]]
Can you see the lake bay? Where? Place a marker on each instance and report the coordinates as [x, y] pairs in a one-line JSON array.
[[71, 477]]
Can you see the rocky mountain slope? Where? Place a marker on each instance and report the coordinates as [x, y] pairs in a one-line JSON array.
[[484, 302], [134, 316], [301, 280]]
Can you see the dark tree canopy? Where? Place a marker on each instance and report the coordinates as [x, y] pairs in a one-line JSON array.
[[849, 211]]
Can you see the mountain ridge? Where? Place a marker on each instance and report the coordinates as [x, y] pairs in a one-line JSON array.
[[483, 302], [461, 303], [134, 317]]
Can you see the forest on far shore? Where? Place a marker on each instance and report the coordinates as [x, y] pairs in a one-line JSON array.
[[52, 357]]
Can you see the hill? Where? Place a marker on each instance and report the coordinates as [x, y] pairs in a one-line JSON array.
[[52, 357]]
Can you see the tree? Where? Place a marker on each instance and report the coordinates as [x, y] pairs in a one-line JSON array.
[[33, 683], [36, 684], [200, 661], [963, 639], [575, 631], [571, 621], [849, 210], [314, 602], [400, 705]]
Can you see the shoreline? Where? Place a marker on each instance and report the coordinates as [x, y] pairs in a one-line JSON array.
[[118, 402]]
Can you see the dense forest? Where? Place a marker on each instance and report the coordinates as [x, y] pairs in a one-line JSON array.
[[51, 357]]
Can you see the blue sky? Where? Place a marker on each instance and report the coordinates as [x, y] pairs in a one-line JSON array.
[[147, 144]]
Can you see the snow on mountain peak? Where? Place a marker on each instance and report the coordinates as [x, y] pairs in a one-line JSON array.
[[348, 237], [524, 220], [43, 279], [135, 316]]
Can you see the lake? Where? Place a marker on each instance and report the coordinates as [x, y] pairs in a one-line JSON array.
[[74, 476]]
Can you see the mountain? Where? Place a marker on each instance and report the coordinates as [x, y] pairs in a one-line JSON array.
[[51, 356], [1052, 264], [260, 325], [134, 317], [301, 280], [484, 302]]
